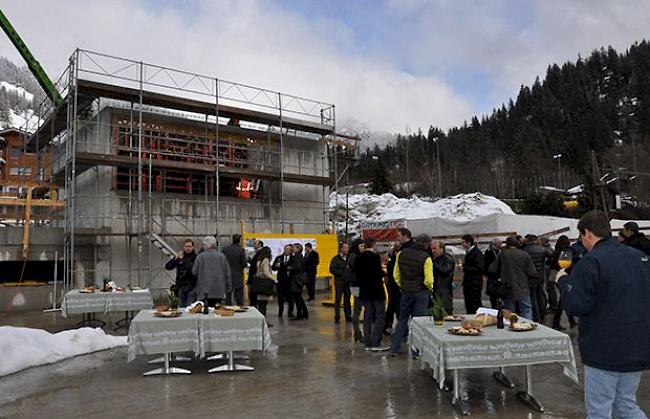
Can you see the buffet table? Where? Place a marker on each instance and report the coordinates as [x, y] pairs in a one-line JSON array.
[[200, 334], [495, 348], [88, 304]]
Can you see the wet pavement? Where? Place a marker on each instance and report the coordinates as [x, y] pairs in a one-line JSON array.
[[313, 370]]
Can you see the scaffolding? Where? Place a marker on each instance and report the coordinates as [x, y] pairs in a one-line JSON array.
[[172, 138]]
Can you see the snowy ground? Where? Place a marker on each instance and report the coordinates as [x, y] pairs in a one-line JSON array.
[[23, 347], [386, 207]]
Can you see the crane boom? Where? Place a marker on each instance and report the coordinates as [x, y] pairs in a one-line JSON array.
[[32, 63]]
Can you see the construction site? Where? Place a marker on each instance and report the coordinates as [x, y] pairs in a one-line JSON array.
[[126, 159]]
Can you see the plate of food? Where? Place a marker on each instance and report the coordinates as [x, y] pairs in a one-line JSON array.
[[465, 331], [87, 290], [454, 318], [522, 326], [167, 313], [236, 309]]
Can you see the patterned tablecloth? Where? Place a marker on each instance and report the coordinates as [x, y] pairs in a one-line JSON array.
[[199, 333], [493, 349], [76, 302]]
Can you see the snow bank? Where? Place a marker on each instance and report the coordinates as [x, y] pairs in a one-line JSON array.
[[23, 347], [386, 207], [18, 90]]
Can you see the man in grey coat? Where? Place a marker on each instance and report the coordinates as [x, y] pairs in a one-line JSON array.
[[237, 260], [516, 269], [213, 273]]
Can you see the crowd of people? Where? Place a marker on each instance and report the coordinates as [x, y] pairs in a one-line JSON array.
[[217, 277]]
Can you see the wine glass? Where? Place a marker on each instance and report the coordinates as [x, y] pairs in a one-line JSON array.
[[566, 259]]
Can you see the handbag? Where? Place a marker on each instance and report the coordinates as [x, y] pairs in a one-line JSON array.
[[263, 285]]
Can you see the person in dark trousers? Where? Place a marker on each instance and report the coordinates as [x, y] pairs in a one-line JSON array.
[[281, 266], [549, 283], [213, 281], [236, 256], [185, 280], [636, 239], [609, 291], [252, 270], [414, 274], [538, 255], [355, 250], [371, 287], [394, 292], [312, 260], [516, 268], [263, 273], [472, 275], [563, 243], [297, 275], [491, 254], [341, 270], [443, 272]]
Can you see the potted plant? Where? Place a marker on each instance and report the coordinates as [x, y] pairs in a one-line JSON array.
[[438, 312], [173, 301]]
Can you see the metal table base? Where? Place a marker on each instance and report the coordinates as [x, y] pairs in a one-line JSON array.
[[88, 320], [166, 369], [172, 357], [219, 357], [231, 366], [527, 396], [125, 322]]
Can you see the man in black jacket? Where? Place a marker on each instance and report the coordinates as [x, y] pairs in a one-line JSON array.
[[297, 276], [636, 239], [538, 255], [609, 290], [281, 265], [443, 272], [394, 292], [311, 268], [236, 256], [185, 281], [491, 254], [341, 269], [472, 275], [370, 277], [252, 270]]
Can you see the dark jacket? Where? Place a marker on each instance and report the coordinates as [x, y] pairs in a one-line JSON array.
[[609, 290], [492, 277], [341, 268], [352, 259], [311, 263], [443, 274], [282, 268], [473, 267], [252, 268], [639, 241], [411, 263], [391, 286], [296, 270], [370, 275], [516, 269], [183, 266], [537, 254], [237, 259]]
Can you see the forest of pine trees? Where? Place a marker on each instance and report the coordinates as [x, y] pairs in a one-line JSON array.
[[590, 104]]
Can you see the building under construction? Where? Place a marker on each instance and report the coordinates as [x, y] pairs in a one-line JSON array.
[[140, 155]]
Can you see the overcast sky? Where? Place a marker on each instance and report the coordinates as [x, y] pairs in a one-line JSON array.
[[385, 64]]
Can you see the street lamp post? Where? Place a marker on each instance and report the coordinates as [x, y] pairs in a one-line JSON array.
[[558, 157]]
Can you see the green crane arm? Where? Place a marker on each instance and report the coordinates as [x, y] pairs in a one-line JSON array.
[[32, 63]]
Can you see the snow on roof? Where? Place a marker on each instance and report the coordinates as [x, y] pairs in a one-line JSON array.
[[386, 207], [576, 189]]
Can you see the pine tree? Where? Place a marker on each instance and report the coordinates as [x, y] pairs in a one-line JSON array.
[[381, 184]]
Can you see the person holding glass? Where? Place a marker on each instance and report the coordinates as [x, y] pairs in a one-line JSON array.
[[562, 258]]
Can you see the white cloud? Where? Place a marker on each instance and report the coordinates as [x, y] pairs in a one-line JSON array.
[[252, 42]]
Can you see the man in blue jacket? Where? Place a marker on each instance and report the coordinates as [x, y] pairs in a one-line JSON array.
[[609, 290]]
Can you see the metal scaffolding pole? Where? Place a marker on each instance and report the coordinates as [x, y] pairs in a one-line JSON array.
[[216, 165], [140, 202], [281, 165]]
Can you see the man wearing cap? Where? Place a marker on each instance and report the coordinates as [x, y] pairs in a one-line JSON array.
[[634, 238]]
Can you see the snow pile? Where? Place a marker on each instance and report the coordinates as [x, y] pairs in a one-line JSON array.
[[18, 90], [386, 207], [23, 347], [23, 120]]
